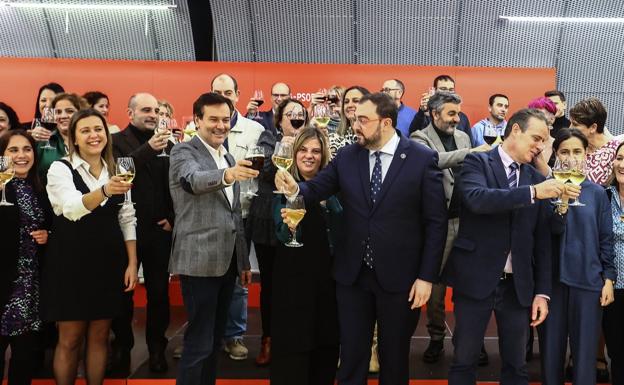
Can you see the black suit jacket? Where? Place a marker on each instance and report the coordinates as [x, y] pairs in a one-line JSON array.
[[150, 188], [495, 220], [9, 237]]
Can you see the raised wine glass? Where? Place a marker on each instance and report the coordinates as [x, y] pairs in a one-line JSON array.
[[578, 173], [125, 170], [295, 211], [188, 125], [7, 172], [282, 158], [257, 97], [322, 115], [561, 172], [255, 154], [47, 118], [490, 135], [163, 128]]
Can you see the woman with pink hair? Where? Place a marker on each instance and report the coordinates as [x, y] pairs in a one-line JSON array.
[[544, 161]]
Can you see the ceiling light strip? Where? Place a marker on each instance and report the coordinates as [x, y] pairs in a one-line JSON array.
[[564, 19], [120, 7]]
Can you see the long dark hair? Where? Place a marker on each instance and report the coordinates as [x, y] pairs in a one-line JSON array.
[[14, 122], [57, 88], [33, 176], [345, 124]]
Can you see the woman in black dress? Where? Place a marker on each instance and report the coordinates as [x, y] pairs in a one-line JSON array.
[[289, 118], [91, 232], [305, 316], [23, 235]]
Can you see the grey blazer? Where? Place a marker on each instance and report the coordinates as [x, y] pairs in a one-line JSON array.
[[446, 159], [207, 229]]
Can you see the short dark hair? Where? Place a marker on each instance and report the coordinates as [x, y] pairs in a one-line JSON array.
[[279, 113], [440, 78], [493, 98], [522, 119], [567, 133], [439, 99], [33, 175], [590, 111], [77, 101], [92, 97], [385, 106], [210, 99], [229, 76], [555, 93], [57, 88], [14, 122]]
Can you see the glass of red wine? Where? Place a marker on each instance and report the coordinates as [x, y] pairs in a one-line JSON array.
[[257, 97], [255, 154], [490, 134]]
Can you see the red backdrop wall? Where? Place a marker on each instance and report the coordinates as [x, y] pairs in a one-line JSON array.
[[181, 82]]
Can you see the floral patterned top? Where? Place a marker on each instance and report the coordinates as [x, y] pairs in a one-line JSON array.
[[336, 142], [21, 313], [600, 163]]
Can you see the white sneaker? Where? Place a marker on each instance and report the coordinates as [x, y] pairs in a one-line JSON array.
[[236, 349]]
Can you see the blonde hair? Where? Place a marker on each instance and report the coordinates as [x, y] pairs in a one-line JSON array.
[[303, 136]]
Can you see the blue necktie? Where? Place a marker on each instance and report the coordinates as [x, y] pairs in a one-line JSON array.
[[512, 179], [375, 186]]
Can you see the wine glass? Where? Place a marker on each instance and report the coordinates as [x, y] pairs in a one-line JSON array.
[[163, 128], [490, 135], [188, 125], [176, 131], [125, 170], [255, 154], [321, 114], [47, 117], [578, 173], [257, 97], [561, 172], [6, 174], [282, 158], [295, 211]]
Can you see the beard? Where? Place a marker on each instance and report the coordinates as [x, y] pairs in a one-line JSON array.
[[371, 142]]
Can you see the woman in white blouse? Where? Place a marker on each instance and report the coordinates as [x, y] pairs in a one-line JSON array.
[[92, 232]]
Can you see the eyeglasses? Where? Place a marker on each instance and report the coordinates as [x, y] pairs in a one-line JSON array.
[[363, 120], [275, 96], [387, 90]]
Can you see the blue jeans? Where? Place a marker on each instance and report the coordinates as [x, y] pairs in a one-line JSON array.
[[236, 324], [207, 300]]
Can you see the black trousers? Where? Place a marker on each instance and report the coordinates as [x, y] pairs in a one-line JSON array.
[[266, 256], [153, 250], [315, 367], [359, 306], [21, 364], [613, 325]]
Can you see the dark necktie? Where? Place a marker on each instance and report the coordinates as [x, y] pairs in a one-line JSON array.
[[375, 186], [513, 175]]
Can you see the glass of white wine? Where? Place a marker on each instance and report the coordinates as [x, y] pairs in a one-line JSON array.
[[561, 172], [321, 115], [578, 173], [295, 211], [125, 170], [6, 174], [282, 158]]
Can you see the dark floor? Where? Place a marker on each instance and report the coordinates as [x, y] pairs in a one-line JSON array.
[[246, 369]]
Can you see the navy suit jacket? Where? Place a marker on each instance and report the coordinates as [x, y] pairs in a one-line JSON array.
[[495, 220], [407, 225]]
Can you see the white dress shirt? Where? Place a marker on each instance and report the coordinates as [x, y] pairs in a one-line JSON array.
[[386, 156], [219, 157], [66, 199]]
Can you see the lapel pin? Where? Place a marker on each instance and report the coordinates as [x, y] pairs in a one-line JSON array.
[[402, 156]]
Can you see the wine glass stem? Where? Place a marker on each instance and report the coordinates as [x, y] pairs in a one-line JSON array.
[[293, 231], [4, 193], [126, 198]]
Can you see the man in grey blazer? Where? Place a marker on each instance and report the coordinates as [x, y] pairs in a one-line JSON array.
[[452, 146], [208, 246]]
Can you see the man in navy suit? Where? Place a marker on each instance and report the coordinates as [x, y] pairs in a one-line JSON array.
[[396, 223], [501, 259]]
